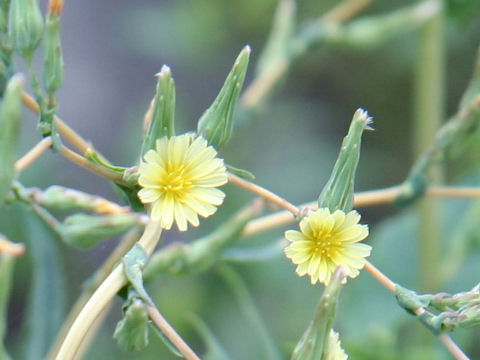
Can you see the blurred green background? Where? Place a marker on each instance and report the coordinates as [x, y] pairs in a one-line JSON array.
[[112, 50]]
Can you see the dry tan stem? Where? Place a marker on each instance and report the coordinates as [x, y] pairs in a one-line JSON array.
[[83, 162], [170, 333], [447, 341], [345, 11], [452, 347], [264, 193], [66, 131], [30, 157], [362, 199]]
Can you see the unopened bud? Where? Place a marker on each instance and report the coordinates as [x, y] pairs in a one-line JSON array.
[[84, 231], [216, 124], [25, 26], [161, 121], [53, 66], [338, 192]]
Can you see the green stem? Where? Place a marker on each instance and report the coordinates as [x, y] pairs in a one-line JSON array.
[[429, 108]]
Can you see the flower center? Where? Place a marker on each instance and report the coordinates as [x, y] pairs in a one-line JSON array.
[[326, 244], [176, 183]]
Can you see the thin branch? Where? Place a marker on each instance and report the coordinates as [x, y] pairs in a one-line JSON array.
[[30, 157], [446, 340], [264, 193], [66, 131], [83, 162], [170, 333], [345, 11], [362, 199], [452, 347]]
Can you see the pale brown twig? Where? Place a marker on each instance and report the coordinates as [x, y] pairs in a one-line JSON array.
[[83, 162], [264, 193], [33, 154], [362, 199], [170, 333]]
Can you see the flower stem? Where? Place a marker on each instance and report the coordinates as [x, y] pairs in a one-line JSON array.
[[102, 297], [266, 194], [83, 162], [31, 156], [361, 199], [170, 333]]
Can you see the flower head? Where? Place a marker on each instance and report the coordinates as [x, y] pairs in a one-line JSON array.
[[179, 178], [326, 240]]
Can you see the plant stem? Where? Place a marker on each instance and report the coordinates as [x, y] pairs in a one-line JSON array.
[[361, 199], [83, 162], [266, 194], [263, 84], [345, 11], [31, 156], [102, 297], [100, 275], [66, 131], [429, 100], [170, 333]]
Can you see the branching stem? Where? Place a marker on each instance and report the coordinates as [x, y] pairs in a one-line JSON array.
[[31, 156]]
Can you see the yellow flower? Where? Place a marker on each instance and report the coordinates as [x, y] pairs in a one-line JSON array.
[[179, 179], [334, 348], [325, 241]]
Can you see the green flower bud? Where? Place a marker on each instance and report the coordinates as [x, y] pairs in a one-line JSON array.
[[316, 341], [84, 231], [216, 124], [338, 192], [160, 121], [53, 66], [10, 113], [25, 26]]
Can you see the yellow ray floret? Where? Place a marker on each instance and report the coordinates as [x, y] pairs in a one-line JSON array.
[[179, 180], [326, 240]]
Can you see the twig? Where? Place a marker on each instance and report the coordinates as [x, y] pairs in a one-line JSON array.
[[66, 131], [83, 162], [265, 82], [345, 11], [34, 153], [362, 199], [446, 340], [266, 194], [170, 333], [452, 347]]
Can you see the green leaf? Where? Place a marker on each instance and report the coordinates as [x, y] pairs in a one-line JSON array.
[[10, 113], [245, 174], [131, 333], [216, 124], [162, 119], [134, 261], [84, 231], [46, 299]]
